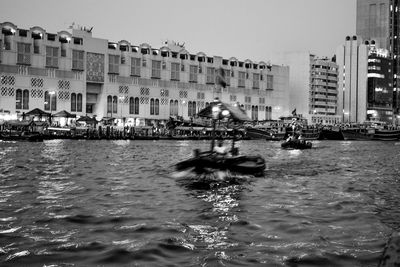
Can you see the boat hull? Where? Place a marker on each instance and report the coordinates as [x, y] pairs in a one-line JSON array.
[[297, 144], [206, 161], [371, 134]]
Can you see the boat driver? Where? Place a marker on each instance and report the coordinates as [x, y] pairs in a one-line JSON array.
[[220, 148]]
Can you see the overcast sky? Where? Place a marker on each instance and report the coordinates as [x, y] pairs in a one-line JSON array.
[[245, 29]]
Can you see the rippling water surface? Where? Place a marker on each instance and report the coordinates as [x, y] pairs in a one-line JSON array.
[[118, 203]]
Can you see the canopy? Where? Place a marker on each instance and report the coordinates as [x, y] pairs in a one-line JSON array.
[[106, 119], [37, 112], [234, 112], [87, 119], [64, 114]]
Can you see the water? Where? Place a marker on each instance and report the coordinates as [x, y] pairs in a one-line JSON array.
[[118, 203]]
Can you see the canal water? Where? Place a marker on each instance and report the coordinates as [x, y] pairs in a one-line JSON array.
[[119, 203]]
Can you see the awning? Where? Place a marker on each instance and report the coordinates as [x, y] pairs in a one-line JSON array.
[[64, 114], [225, 110], [37, 112]]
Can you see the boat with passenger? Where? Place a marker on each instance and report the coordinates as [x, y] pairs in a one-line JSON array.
[[296, 144], [308, 132], [212, 160]]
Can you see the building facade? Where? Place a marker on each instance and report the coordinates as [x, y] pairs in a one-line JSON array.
[[378, 22], [379, 85], [352, 59], [365, 81], [313, 83], [74, 71]]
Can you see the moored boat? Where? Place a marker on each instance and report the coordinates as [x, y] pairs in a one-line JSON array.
[[370, 132]]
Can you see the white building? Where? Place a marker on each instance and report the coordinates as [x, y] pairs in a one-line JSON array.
[[352, 58], [313, 86], [73, 71]]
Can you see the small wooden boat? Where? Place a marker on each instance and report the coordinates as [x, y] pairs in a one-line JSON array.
[[211, 161], [297, 144]]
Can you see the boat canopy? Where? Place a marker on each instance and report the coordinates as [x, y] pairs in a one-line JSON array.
[[224, 111]]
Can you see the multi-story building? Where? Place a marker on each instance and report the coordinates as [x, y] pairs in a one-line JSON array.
[[73, 71], [378, 21], [379, 85], [352, 59], [313, 86], [365, 81]]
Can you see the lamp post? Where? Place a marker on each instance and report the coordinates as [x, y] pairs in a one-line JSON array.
[[51, 93], [121, 100], [182, 105]]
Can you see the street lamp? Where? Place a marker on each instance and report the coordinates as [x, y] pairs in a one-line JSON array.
[[121, 100], [182, 104]]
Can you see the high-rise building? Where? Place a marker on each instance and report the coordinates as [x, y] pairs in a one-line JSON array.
[[313, 83], [378, 22], [352, 59], [365, 82], [72, 70]]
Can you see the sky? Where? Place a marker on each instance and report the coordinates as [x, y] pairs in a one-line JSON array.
[[245, 29]]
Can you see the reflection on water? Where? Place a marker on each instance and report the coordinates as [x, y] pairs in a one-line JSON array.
[[95, 203]]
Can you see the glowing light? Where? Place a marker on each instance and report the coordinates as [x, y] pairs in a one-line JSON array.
[[225, 113]]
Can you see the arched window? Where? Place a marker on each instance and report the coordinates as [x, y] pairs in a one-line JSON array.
[[176, 104], [157, 107], [171, 107], [25, 99], [194, 108], [115, 104], [190, 109], [50, 99], [152, 106], [53, 101], [131, 105], [136, 105], [46, 100], [73, 102], [79, 103], [109, 104], [18, 102]]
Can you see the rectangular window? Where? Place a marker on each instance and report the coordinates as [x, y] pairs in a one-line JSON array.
[[270, 82], [193, 74], [24, 53], [156, 69], [241, 79], [175, 71], [1, 48], [36, 47], [256, 80], [77, 60], [210, 75], [7, 42], [135, 66], [51, 57], [113, 64]]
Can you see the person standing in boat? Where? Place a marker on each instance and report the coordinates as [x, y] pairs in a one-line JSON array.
[[220, 148]]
